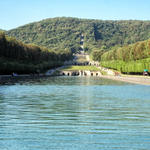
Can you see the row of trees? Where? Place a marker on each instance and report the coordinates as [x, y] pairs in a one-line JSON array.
[[139, 50], [128, 59], [16, 56], [132, 67]]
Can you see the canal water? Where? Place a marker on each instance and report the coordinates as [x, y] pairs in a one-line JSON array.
[[74, 113]]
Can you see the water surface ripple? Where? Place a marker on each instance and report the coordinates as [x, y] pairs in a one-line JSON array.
[[74, 113]]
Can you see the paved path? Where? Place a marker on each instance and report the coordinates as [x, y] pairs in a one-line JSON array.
[[143, 80]]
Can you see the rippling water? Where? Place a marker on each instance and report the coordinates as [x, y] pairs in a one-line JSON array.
[[74, 113]]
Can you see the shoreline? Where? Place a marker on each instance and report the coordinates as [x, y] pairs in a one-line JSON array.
[[8, 79], [141, 80]]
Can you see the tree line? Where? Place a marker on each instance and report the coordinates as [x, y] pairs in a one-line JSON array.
[[132, 59], [16, 56]]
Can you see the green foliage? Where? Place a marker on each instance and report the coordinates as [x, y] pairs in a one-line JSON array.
[[96, 54], [22, 58], [128, 59], [133, 67], [137, 51], [61, 33], [100, 36]]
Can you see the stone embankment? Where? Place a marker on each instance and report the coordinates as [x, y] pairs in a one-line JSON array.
[[107, 71], [80, 73], [9, 79]]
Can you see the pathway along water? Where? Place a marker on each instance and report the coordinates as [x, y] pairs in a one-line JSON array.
[[74, 113]]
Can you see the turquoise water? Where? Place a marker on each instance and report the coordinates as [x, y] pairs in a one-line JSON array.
[[74, 113]]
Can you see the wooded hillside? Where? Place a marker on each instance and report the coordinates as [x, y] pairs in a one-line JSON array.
[[60, 33]]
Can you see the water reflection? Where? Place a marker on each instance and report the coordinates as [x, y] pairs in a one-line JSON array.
[[74, 113]]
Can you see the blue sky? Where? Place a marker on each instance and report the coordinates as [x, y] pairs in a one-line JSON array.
[[14, 13]]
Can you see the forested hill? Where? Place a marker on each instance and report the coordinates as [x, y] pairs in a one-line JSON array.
[[60, 33]]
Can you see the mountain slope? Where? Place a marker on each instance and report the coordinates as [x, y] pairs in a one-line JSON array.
[[61, 33]]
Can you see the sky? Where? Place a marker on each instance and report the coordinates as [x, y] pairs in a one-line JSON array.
[[15, 13]]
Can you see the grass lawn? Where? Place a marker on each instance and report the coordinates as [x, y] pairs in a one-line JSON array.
[[74, 68]]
